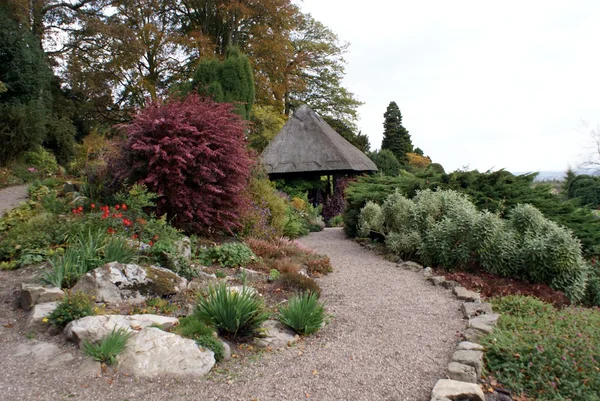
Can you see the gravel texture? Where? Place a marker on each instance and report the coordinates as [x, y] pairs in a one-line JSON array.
[[11, 197], [391, 337]]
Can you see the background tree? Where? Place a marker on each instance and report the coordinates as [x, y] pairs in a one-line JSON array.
[[315, 71], [25, 104], [230, 81], [357, 139], [395, 137], [266, 124], [591, 157], [386, 162]]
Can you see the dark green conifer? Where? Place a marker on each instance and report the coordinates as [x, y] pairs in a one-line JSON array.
[[395, 137]]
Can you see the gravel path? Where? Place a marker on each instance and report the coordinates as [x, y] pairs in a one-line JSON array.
[[390, 338], [11, 197]]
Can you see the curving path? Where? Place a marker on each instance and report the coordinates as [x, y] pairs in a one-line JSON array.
[[10, 197], [391, 338]]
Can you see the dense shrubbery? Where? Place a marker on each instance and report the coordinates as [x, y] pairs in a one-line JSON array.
[[191, 153], [228, 255], [444, 228], [498, 192], [546, 353]]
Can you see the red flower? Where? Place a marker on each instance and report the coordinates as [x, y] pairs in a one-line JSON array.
[[93, 206], [135, 236], [150, 243], [74, 211], [127, 222], [80, 208], [111, 230], [124, 206], [117, 207]]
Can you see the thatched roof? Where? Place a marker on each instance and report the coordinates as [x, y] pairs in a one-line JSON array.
[[306, 143]]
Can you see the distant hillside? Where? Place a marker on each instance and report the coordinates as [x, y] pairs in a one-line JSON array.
[[553, 175]]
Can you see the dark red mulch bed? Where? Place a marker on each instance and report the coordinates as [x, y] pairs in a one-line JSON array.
[[489, 285]]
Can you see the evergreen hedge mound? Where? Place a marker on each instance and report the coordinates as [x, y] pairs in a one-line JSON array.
[[444, 228]]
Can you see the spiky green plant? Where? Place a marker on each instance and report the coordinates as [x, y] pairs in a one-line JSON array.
[[232, 313], [117, 250], [109, 347], [304, 313]]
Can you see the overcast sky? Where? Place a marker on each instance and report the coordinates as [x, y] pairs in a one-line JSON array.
[[479, 83]]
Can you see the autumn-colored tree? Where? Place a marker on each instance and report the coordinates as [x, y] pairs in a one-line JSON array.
[[192, 153], [417, 160]]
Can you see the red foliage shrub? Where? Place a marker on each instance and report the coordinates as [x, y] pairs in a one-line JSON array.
[[192, 153]]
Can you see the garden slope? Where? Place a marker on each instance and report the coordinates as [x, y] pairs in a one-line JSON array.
[[11, 197], [390, 338]]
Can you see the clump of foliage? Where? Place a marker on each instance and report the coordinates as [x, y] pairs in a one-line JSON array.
[[194, 328], [497, 192], [232, 313], [72, 307], [109, 347], [303, 313], [274, 275], [230, 80], [336, 221], [546, 353], [192, 153], [228, 255], [445, 229], [386, 162], [265, 212]]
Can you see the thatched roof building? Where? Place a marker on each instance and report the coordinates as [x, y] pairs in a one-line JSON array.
[[308, 145]]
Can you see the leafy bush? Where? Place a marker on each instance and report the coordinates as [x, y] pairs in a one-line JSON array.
[[295, 226], [274, 275], [264, 214], [336, 221], [386, 162], [317, 265], [41, 231], [545, 353], [109, 347], [232, 313], [228, 255], [194, 328], [444, 228], [71, 307], [192, 152], [304, 314]]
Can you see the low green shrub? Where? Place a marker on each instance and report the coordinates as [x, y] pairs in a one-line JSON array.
[[546, 353], [304, 313], [336, 221], [228, 255], [443, 228], [109, 347], [72, 307], [274, 275], [232, 313], [194, 328]]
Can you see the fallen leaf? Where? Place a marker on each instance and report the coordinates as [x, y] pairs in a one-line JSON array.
[[315, 372], [8, 325]]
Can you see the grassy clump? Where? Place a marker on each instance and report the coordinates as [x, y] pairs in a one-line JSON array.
[[108, 348], [303, 313], [546, 353], [194, 328], [71, 307], [232, 313]]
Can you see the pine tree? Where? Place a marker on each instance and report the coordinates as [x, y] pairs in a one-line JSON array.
[[395, 136]]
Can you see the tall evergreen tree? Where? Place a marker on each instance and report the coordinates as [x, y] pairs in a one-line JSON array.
[[230, 81], [395, 137], [25, 98]]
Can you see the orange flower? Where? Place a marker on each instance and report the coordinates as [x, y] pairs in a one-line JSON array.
[[124, 206]]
